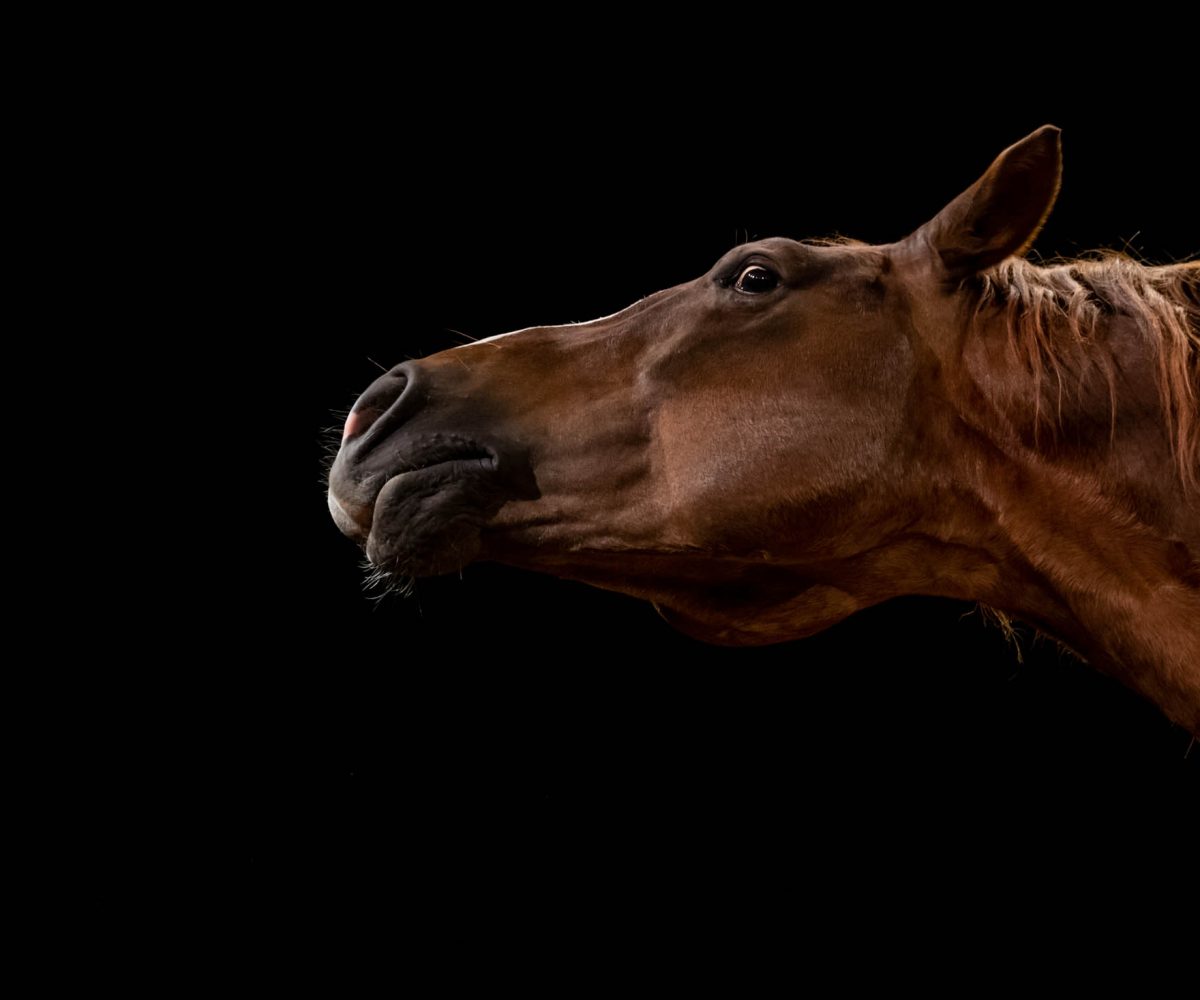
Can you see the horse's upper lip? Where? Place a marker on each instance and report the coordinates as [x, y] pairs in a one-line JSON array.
[[349, 519]]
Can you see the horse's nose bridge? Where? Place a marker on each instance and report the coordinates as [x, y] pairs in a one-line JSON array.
[[390, 400]]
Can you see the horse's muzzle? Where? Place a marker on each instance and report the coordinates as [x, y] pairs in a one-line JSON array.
[[412, 484]]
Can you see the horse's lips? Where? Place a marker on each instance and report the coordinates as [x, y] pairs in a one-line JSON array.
[[411, 479], [419, 514], [347, 524]]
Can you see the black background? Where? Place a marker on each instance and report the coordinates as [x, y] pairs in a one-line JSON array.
[[506, 701]]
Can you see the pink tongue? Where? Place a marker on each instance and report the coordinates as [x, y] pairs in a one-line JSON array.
[[354, 424]]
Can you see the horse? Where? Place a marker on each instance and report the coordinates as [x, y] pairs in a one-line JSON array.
[[815, 427]]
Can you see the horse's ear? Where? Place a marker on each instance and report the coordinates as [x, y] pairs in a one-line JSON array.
[[1000, 214]]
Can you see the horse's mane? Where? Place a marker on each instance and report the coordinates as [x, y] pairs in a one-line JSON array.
[[1054, 316]]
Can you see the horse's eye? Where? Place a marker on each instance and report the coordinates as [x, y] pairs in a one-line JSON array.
[[756, 279]]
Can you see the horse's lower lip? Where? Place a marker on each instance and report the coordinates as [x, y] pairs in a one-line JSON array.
[[423, 515], [355, 520], [423, 519]]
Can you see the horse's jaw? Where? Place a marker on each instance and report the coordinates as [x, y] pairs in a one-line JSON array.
[[814, 609]]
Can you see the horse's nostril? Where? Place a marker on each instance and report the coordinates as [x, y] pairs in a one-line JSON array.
[[382, 395], [360, 418]]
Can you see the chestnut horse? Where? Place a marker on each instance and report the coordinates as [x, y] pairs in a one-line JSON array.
[[810, 429]]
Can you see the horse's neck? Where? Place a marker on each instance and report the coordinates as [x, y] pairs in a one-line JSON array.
[[1092, 406], [1099, 540], [1124, 593]]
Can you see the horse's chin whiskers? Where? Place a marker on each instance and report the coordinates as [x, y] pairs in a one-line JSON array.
[[379, 583]]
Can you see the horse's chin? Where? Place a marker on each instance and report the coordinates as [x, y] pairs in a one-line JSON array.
[[412, 557]]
